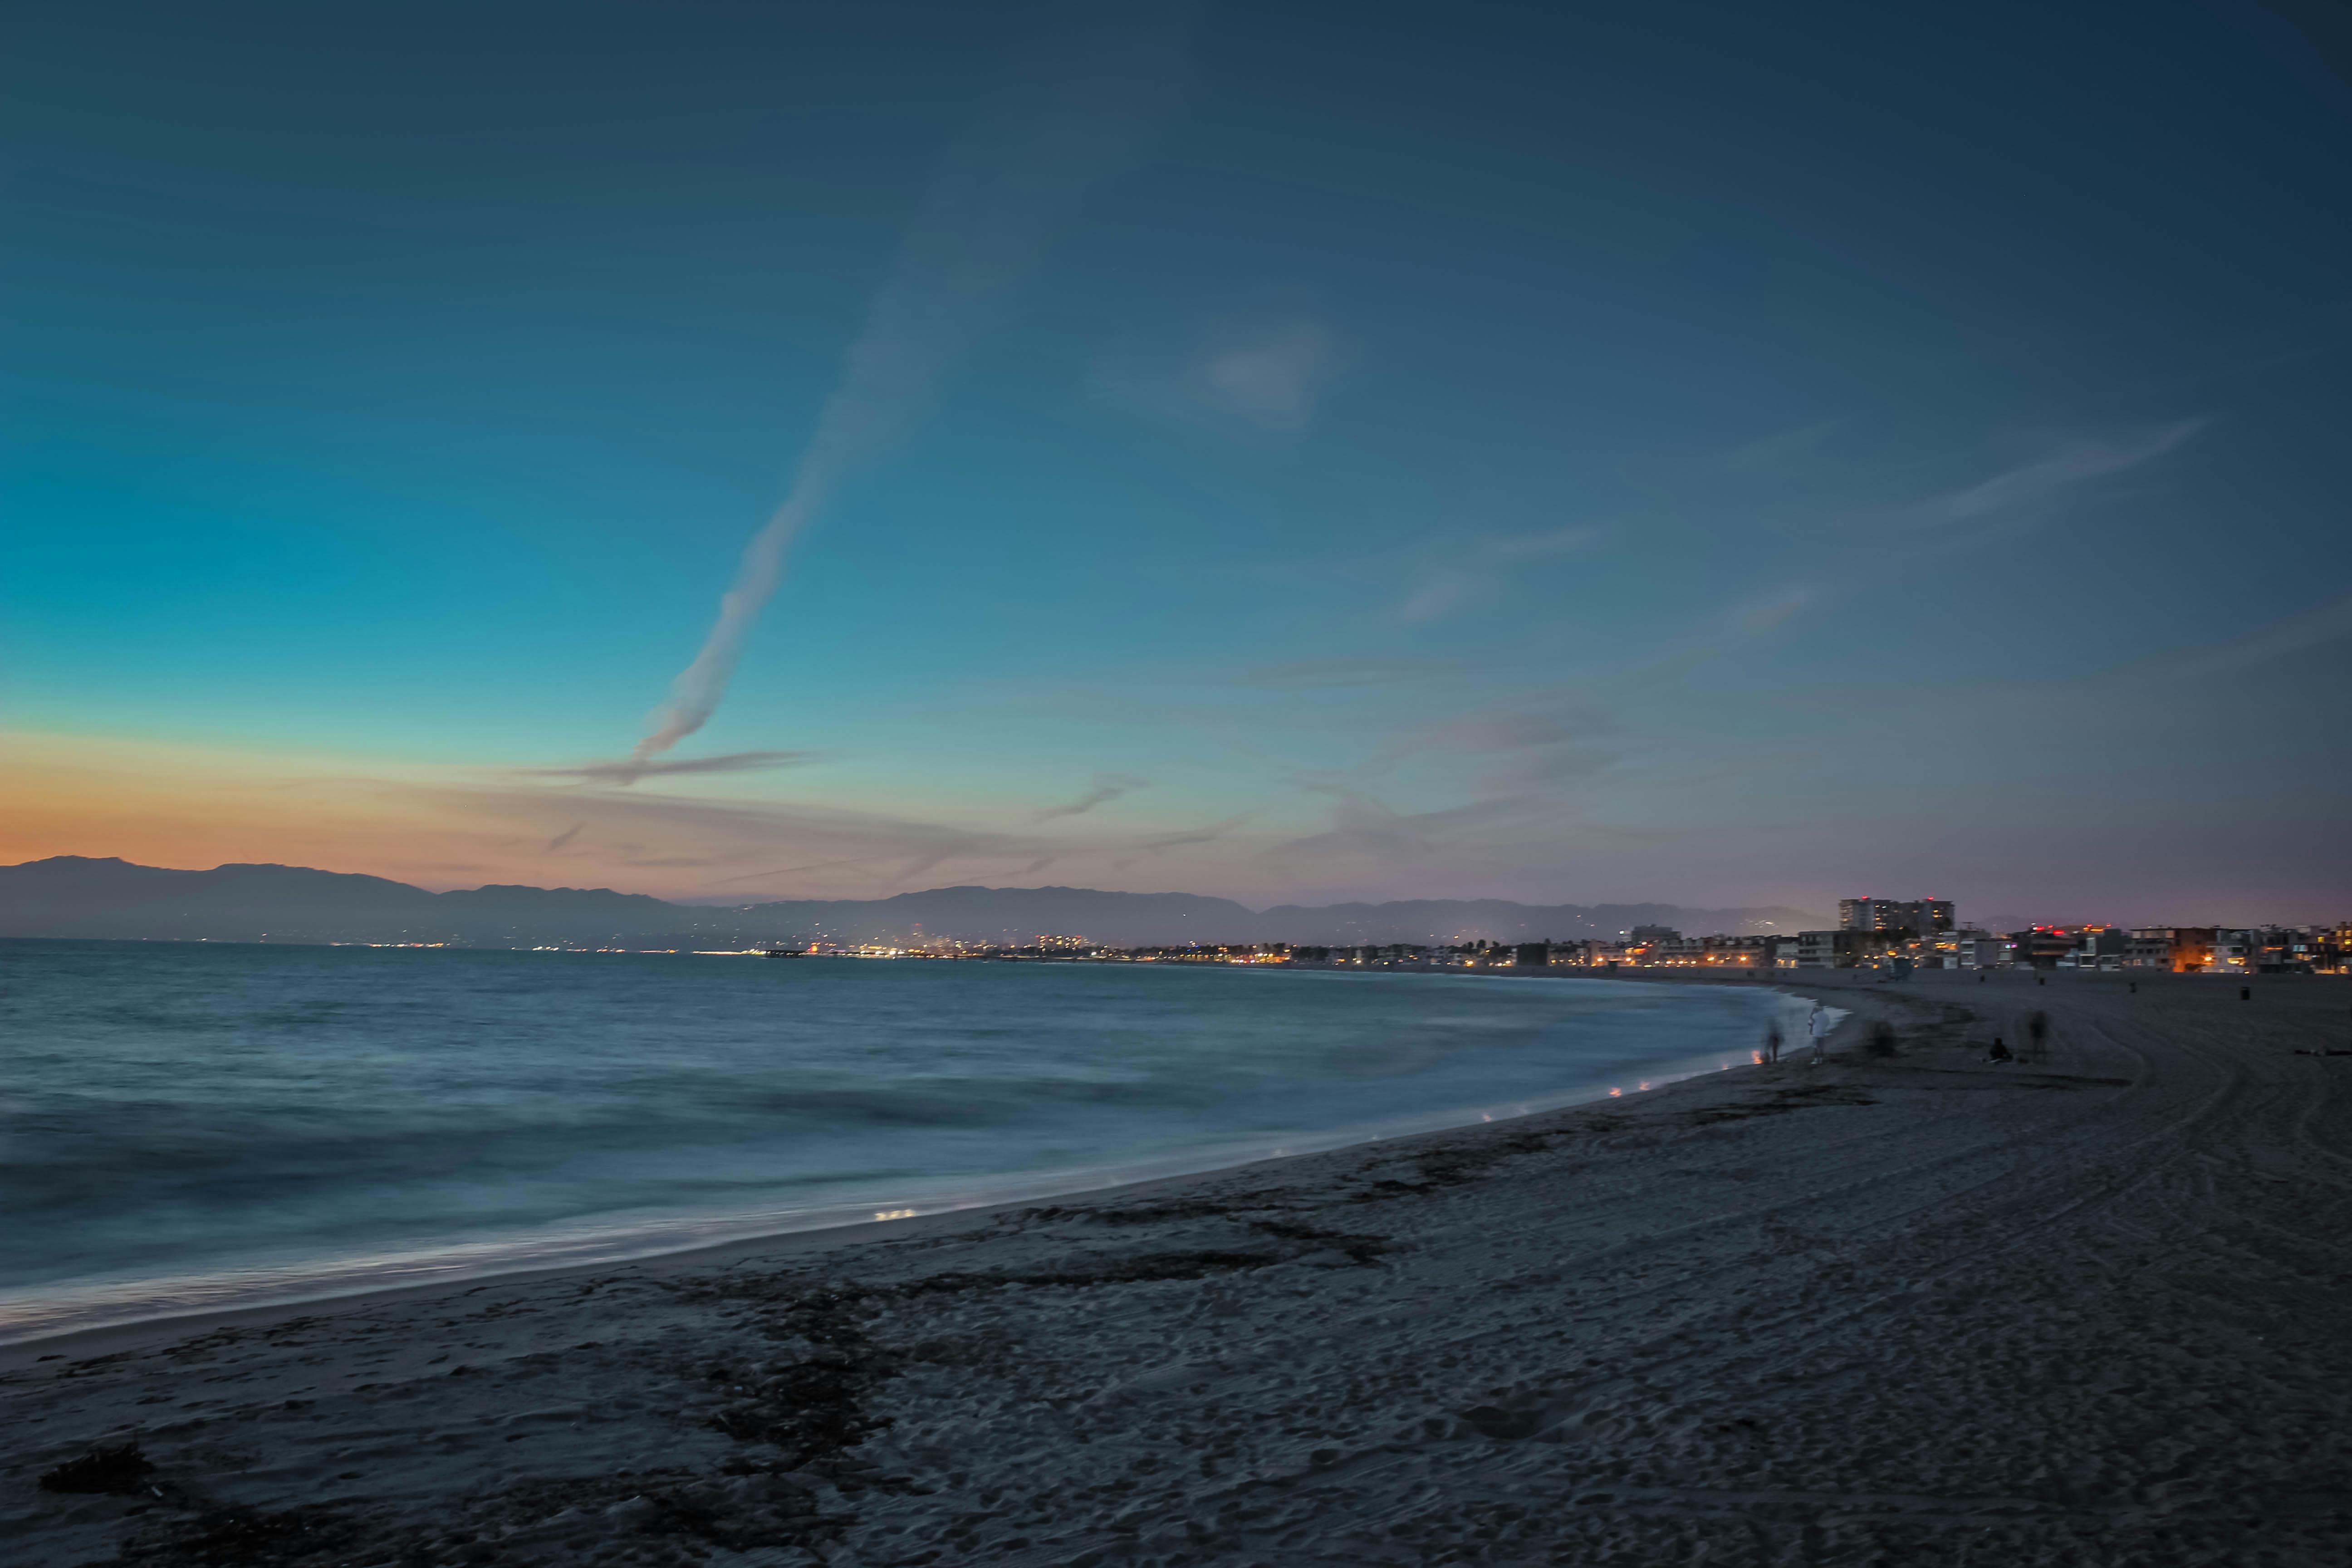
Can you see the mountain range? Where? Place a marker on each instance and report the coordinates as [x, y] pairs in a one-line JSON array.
[[75, 895]]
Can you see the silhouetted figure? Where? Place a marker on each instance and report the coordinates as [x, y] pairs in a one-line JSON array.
[[2000, 1052], [1773, 1043], [2037, 1034], [2245, 992]]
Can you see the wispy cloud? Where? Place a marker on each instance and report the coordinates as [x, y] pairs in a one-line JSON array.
[[628, 771], [1317, 674], [1265, 379], [1363, 826], [1494, 730], [774, 871], [1446, 589], [675, 832], [1213, 831], [1452, 570], [564, 838], [1540, 546], [1107, 788], [2313, 628], [2027, 487], [1549, 739], [1274, 382], [1781, 449], [1762, 614]]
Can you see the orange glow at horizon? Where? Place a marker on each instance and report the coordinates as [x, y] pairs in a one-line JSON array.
[[195, 807], [190, 807]]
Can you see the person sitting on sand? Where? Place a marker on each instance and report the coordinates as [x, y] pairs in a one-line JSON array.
[[2000, 1052]]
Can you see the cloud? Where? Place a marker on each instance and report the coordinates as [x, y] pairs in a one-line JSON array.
[[1540, 547], [2313, 628], [630, 770], [1361, 826], [1076, 118], [1497, 729], [1444, 590], [1541, 742], [1781, 449], [1762, 614], [564, 838], [1454, 569], [1267, 379], [1108, 787], [1272, 383], [2027, 486], [1214, 830], [792, 870], [1538, 767], [684, 833], [1317, 674]]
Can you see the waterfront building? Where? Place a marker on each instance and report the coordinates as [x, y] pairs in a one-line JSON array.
[[1967, 948], [2096, 947], [2177, 950], [2043, 946], [2235, 950], [1845, 949]]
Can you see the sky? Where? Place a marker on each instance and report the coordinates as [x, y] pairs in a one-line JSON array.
[[1688, 452]]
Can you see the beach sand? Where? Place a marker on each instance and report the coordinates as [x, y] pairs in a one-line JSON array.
[[1916, 1310]]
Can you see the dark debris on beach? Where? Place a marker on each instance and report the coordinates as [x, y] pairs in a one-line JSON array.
[[121, 1469]]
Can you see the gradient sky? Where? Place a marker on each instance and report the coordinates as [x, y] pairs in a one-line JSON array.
[[1714, 453]]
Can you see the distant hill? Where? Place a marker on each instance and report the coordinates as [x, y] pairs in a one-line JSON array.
[[72, 896]]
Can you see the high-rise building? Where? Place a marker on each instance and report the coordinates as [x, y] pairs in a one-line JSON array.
[[1922, 917]]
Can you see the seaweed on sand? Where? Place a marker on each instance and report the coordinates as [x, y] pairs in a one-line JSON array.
[[121, 1469]]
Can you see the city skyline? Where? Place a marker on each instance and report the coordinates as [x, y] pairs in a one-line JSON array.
[[71, 896], [1445, 455]]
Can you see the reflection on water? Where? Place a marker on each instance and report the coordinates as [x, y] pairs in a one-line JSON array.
[[182, 1125]]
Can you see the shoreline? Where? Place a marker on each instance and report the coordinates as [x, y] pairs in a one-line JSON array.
[[1926, 1310], [613, 1249]]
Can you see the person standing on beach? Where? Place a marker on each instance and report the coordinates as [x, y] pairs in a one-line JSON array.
[[1818, 1026]]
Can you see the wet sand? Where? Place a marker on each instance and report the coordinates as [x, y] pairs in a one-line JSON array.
[[1922, 1311]]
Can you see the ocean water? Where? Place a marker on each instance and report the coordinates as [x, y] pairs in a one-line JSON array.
[[186, 1126]]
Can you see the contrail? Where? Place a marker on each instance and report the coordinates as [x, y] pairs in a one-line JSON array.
[[1078, 112]]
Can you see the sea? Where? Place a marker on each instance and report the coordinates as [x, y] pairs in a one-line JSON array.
[[193, 1126]]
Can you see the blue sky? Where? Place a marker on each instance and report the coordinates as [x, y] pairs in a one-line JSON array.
[[1697, 452]]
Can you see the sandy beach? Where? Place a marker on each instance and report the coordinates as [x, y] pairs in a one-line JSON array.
[[1919, 1310]]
